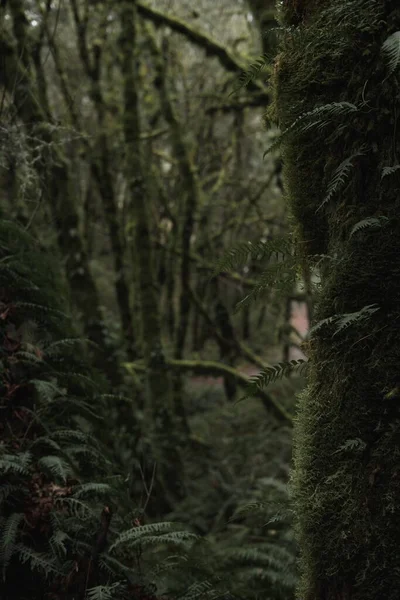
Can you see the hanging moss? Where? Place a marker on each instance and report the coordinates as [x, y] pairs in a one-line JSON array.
[[343, 188]]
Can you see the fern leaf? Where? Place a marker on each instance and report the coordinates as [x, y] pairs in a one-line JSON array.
[[391, 51], [251, 73], [138, 532], [76, 508], [349, 319], [103, 592], [96, 489], [373, 222], [280, 275], [239, 255], [387, 171], [38, 560], [56, 466], [8, 539], [319, 117], [7, 490], [339, 178], [58, 543], [271, 374], [18, 464], [354, 445], [59, 347]]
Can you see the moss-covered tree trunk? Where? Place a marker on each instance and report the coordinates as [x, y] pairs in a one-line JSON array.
[[159, 409], [341, 60]]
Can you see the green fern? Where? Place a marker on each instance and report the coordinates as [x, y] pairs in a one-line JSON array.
[[103, 592], [350, 319], [56, 467], [271, 374], [391, 51], [345, 320], [8, 539], [239, 255], [280, 275], [370, 222], [38, 560], [318, 118], [251, 73], [58, 543], [340, 177], [15, 463], [91, 489], [388, 171], [145, 533]]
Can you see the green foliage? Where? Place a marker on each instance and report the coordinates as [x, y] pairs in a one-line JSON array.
[[340, 175], [252, 72], [54, 475], [388, 171], [271, 374], [238, 256], [374, 223], [344, 321], [316, 119], [391, 51]]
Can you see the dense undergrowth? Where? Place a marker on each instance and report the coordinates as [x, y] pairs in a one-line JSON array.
[[71, 526]]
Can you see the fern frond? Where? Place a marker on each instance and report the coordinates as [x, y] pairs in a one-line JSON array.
[[57, 543], [76, 508], [197, 590], [388, 171], [370, 222], [59, 346], [345, 320], [47, 390], [37, 309], [9, 273], [239, 255], [96, 489], [339, 177], [103, 592], [56, 466], [37, 560], [7, 489], [318, 118], [251, 73], [155, 530], [280, 275], [350, 319], [271, 374], [16, 463], [391, 51], [8, 539]]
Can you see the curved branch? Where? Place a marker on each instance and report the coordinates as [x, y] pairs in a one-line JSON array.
[[216, 369], [212, 47]]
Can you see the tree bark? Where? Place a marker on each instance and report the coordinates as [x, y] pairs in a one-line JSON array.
[[346, 481]]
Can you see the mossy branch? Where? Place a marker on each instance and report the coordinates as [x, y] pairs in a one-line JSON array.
[[212, 47], [215, 369]]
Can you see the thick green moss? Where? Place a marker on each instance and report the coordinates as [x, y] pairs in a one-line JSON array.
[[346, 481]]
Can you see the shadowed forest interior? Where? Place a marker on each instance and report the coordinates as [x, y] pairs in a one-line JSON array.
[[157, 290]]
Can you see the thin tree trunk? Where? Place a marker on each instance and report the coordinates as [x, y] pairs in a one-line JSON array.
[[159, 409], [54, 172]]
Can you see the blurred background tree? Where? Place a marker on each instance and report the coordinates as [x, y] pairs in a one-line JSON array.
[[131, 147]]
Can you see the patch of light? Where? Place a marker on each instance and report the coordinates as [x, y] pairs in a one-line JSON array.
[[34, 23], [249, 18]]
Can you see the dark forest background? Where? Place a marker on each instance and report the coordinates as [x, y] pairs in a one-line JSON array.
[[145, 278]]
